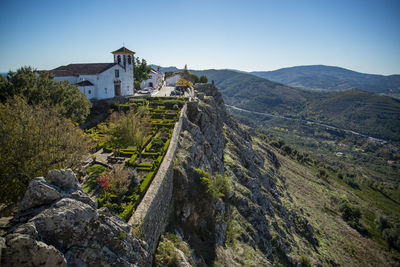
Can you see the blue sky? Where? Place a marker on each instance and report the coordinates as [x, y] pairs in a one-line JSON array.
[[362, 35]]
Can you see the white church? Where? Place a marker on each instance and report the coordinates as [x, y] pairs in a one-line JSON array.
[[101, 80]]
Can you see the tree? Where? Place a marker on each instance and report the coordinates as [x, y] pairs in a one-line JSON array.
[[40, 88], [141, 70], [34, 139], [203, 79], [130, 129], [183, 82]]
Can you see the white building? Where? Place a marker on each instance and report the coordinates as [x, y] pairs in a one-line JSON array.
[[155, 79], [101, 80], [171, 80]]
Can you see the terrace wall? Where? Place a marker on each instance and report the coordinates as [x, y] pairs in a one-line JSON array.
[[154, 210]]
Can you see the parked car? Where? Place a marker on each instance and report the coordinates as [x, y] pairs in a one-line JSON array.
[[146, 90], [176, 93], [143, 92]]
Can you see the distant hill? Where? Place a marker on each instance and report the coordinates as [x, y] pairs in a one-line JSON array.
[[165, 69], [356, 110], [328, 78], [255, 93]]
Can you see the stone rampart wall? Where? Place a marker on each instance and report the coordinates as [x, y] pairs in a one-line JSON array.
[[152, 214]]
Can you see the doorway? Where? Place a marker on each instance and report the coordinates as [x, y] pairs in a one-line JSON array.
[[117, 89]]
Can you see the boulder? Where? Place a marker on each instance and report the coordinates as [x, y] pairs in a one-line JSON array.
[[61, 226], [65, 179], [38, 193], [22, 250]]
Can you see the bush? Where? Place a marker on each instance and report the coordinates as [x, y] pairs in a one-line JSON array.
[[128, 211], [216, 186], [392, 236], [33, 140], [203, 79], [305, 262], [167, 250], [157, 144], [350, 213]]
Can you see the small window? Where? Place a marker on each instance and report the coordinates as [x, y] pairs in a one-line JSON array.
[[105, 90], [116, 73], [119, 59], [89, 92], [129, 59]]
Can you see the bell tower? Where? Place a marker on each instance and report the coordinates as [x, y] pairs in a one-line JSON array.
[[126, 59]]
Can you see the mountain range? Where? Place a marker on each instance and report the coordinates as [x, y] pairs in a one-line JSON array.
[[328, 78], [356, 110]]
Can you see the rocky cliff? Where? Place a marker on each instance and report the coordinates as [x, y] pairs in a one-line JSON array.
[[59, 225], [249, 227]]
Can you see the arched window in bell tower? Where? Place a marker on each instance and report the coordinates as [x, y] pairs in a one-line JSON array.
[[129, 59], [119, 59]]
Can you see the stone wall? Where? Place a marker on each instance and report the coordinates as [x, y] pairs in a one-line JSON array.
[[152, 214]]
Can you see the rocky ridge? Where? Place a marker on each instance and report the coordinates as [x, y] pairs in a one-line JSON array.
[[252, 220], [59, 225]]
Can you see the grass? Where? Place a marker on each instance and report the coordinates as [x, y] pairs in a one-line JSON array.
[[93, 172]]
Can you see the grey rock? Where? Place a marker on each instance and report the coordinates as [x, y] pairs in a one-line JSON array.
[[65, 179], [68, 230], [83, 197], [22, 250], [39, 193]]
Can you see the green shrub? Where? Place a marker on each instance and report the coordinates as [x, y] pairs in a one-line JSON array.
[[157, 144], [128, 211], [166, 254], [350, 213], [216, 186], [305, 262], [146, 182]]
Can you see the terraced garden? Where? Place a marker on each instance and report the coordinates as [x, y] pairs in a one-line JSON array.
[[122, 188]]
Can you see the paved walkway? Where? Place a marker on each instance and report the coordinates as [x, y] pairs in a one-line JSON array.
[[165, 91]]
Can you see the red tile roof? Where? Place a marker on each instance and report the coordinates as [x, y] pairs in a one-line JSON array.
[[81, 69]]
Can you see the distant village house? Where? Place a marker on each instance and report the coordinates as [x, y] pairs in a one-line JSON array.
[[155, 79], [173, 79]]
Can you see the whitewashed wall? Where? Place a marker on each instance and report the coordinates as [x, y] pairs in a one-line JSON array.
[[71, 79], [89, 91], [171, 81]]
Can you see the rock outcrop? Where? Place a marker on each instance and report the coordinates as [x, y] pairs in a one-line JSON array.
[[59, 225], [248, 219]]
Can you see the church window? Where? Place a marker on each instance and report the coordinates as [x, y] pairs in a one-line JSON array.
[[105, 90], [89, 92], [116, 73], [129, 59], [119, 59]]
